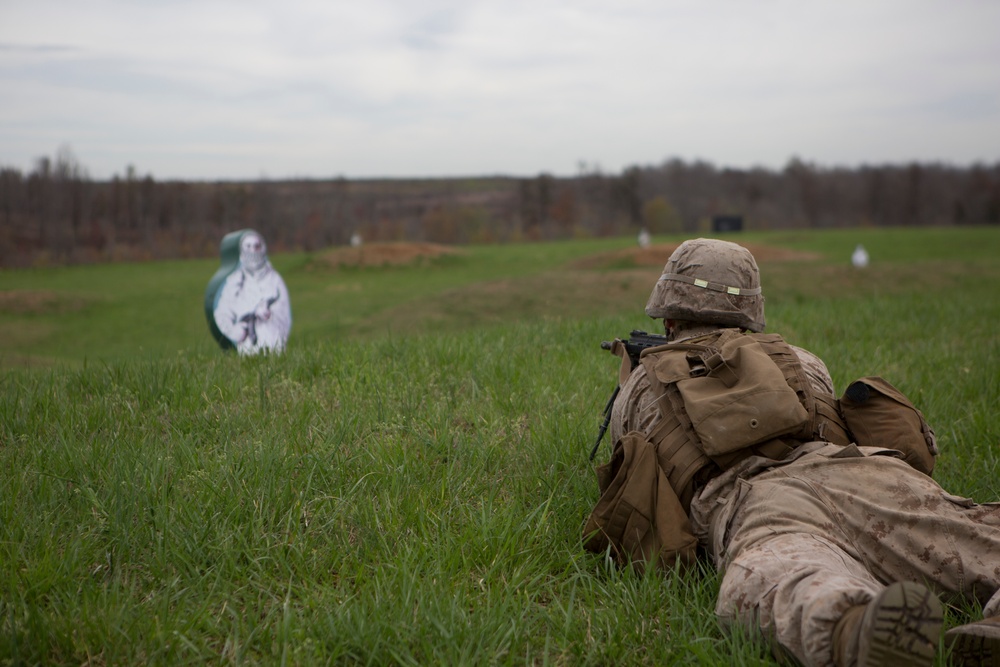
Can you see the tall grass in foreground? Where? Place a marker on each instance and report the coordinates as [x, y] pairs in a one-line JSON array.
[[412, 499], [408, 501]]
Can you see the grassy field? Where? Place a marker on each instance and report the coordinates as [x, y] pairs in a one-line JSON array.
[[407, 483]]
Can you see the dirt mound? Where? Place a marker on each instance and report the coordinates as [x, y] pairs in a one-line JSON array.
[[657, 255], [384, 254]]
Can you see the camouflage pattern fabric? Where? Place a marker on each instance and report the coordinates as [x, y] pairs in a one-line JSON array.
[[800, 540], [710, 281], [800, 543], [635, 408]]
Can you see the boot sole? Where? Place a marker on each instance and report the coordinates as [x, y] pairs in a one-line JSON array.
[[974, 645], [904, 627]]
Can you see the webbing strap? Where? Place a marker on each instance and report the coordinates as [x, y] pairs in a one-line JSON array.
[[715, 287], [685, 458]]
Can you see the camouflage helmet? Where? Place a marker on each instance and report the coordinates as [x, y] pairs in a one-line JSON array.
[[711, 281]]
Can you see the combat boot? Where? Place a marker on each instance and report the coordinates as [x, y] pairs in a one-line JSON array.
[[975, 643], [899, 627]]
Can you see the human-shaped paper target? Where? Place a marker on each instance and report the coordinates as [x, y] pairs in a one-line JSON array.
[[246, 302]]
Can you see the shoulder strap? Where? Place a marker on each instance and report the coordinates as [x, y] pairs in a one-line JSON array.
[[825, 420]]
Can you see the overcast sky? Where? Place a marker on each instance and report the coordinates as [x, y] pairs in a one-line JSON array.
[[246, 89]]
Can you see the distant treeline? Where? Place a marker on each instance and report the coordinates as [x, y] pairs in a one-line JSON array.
[[56, 214]]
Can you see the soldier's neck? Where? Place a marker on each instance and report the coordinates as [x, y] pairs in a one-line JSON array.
[[685, 330]]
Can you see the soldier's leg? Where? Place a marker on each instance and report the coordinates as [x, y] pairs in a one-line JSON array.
[[792, 570], [899, 523], [787, 568], [794, 587], [814, 602], [909, 529]]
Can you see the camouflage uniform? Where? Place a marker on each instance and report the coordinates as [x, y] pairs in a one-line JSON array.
[[804, 542], [801, 540]]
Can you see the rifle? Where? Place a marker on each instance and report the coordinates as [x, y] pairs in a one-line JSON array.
[[634, 345], [636, 342], [251, 320]]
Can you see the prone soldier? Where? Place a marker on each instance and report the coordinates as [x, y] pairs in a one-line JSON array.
[[831, 537]]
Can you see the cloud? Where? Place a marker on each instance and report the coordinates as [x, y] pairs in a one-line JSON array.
[[218, 89]]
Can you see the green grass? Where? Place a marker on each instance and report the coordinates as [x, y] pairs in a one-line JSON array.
[[408, 482]]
